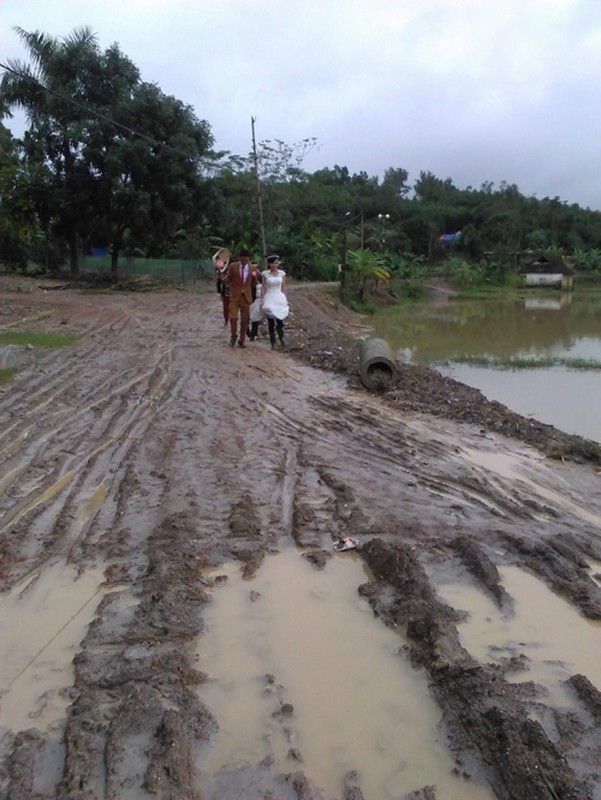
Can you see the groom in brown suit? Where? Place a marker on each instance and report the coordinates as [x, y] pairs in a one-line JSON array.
[[242, 281]]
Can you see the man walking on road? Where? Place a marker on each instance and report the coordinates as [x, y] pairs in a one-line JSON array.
[[241, 280]]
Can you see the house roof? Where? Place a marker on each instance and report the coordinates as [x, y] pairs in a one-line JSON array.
[[547, 264]]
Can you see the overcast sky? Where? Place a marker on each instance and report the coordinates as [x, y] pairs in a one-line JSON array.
[[472, 90]]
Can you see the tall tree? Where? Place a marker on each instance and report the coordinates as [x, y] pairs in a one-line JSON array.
[[50, 89], [144, 161], [125, 158]]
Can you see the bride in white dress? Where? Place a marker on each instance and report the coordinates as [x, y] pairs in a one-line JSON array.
[[274, 302]]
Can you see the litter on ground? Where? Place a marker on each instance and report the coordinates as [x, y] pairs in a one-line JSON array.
[[345, 543]]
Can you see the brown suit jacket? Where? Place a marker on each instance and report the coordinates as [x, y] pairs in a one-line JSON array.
[[241, 291]]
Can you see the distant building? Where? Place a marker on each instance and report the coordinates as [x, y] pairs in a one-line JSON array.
[[548, 270]]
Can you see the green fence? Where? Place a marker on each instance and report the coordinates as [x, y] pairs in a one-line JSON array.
[[183, 272]]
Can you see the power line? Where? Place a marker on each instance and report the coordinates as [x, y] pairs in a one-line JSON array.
[[93, 112]]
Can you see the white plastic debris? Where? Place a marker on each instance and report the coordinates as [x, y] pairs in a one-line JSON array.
[[345, 543]]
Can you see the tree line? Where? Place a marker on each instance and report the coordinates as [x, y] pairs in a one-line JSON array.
[[108, 162]]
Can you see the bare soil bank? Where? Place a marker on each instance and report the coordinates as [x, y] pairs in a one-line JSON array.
[[153, 450]]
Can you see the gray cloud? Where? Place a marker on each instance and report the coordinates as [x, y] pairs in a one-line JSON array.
[[472, 90]]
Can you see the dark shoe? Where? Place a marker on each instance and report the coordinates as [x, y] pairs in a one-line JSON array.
[[241, 344], [282, 343], [273, 345], [233, 341], [252, 338]]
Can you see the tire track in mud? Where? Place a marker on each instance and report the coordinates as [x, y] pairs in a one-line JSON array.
[[516, 503], [447, 469], [185, 453], [386, 448], [231, 514], [81, 435], [125, 422], [487, 716], [114, 447], [500, 497]]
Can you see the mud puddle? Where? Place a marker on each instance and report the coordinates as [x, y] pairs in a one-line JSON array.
[[43, 620], [338, 695], [555, 638]]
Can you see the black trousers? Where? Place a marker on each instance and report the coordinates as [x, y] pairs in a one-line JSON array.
[[272, 326]]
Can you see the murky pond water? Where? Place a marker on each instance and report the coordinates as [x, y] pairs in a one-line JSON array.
[[355, 701], [561, 326]]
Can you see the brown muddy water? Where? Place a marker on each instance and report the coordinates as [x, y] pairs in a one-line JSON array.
[[355, 701], [551, 325], [54, 609], [555, 638]]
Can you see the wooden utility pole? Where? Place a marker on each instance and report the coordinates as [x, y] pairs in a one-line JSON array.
[[259, 193], [342, 267]]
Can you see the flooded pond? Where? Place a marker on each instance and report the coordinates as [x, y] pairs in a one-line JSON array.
[[559, 333]]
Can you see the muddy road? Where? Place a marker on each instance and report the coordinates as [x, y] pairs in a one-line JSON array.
[[149, 465]]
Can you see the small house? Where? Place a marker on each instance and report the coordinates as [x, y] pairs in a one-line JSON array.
[[548, 270]]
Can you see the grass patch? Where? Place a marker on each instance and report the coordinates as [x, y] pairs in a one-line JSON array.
[[6, 374], [524, 362], [506, 292], [37, 339]]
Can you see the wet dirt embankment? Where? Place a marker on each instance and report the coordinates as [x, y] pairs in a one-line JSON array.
[[154, 452]]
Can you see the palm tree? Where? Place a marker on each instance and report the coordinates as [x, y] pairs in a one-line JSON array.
[[51, 91], [42, 87]]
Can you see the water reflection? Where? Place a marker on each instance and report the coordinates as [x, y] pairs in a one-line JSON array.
[[548, 303], [536, 325]]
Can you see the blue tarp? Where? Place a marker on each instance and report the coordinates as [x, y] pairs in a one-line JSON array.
[[450, 238]]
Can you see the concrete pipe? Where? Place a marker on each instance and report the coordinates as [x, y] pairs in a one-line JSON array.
[[376, 365]]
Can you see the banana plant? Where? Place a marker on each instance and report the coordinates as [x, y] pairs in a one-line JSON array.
[[365, 267]]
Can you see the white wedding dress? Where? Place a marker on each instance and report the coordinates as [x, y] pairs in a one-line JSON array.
[[274, 303]]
